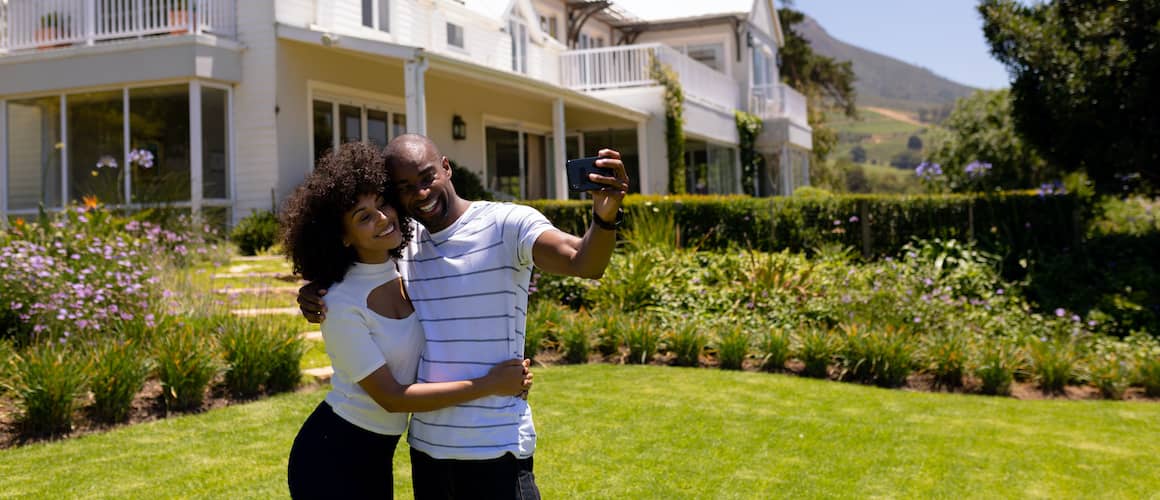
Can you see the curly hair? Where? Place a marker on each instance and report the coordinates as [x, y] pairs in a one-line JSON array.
[[311, 219]]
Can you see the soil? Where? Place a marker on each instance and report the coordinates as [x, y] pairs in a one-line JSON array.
[[148, 406]]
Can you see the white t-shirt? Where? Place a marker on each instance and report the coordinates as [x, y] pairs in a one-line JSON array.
[[359, 341], [469, 284]]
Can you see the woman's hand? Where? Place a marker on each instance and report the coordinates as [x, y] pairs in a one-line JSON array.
[[509, 378]]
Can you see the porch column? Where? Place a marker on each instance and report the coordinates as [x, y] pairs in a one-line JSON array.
[[785, 170], [642, 157], [739, 171], [414, 85], [559, 150], [3, 164], [196, 189], [63, 151]]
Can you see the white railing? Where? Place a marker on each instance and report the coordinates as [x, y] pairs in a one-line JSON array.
[[628, 66], [29, 24], [778, 101]]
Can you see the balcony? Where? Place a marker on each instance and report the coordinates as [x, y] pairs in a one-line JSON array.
[[43, 24], [778, 101], [627, 66]]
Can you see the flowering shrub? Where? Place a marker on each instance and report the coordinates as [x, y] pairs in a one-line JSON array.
[[81, 270]]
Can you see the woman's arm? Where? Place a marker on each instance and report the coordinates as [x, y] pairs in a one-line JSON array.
[[508, 378]]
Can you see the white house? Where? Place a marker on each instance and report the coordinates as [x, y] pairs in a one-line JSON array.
[[235, 99]]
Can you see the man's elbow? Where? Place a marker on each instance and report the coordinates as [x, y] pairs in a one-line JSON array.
[[592, 274]]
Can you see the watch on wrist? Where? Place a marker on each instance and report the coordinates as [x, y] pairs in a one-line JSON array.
[[610, 226]]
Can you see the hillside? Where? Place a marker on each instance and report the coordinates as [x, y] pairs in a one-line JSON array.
[[884, 81]]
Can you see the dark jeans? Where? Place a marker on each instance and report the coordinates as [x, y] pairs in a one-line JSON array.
[[506, 477], [333, 458]]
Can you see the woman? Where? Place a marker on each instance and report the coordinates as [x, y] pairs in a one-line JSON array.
[[341, 226]]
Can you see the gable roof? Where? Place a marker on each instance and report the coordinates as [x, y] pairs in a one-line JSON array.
[[760, 13], [498, 10]]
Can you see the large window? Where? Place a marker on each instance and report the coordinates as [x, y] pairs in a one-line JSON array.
[[34, 153], [455, 35], [356, 121], [503, 162], [128, 146], [712, 168]]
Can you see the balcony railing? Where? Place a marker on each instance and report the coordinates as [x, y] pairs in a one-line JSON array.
[[31, 24], [627, 66], [778, 101]]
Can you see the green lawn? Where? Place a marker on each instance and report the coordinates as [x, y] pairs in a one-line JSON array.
[[631, 432]]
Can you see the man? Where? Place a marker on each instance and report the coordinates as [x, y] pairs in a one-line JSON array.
[[467, 272]]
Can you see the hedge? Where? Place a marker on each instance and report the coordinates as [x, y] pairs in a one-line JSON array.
[[1007, 223]]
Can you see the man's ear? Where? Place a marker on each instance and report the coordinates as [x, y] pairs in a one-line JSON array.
[[447, 166]]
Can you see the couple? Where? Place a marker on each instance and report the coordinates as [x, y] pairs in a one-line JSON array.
[[426, 318]]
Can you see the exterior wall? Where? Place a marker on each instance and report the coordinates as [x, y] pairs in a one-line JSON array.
[[151, 60], [299, 64], [710, 122], [255, 128], [720, 32], [650, 100]]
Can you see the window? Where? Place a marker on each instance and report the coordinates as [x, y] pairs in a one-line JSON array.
[[377, 14], [519, 40], [764, 67], [548, 25], [584, 43], [55, 158], [710, 55], [351, 121], [455, 35]]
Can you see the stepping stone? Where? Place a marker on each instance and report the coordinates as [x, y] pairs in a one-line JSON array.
[[321, 375], [268, 310], [315, 335], [271, 274], [286, 290]]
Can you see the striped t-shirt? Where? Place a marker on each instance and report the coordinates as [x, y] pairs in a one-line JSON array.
[[469, 284]]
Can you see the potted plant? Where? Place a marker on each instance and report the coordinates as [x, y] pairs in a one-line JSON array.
[[181, 16], [52, 25]]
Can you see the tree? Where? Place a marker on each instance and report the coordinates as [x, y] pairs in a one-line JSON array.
[[1085, 74], [981, 129], [827, 85], [858, 154], [914, 143]]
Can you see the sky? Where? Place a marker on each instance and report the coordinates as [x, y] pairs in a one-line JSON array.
[[945, 36]]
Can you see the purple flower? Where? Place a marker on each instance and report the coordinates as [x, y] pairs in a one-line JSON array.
[[977, 169], [837, 222], [1059, 312], [928, 170], [1075, 318], [853, 219], [999, 292]]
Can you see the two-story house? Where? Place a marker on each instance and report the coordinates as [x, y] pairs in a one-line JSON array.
[[235, 99]]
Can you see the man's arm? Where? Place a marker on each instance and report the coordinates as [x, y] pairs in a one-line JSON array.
[[558, 252]]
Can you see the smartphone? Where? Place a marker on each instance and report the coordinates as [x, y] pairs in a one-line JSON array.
[[578, 171]]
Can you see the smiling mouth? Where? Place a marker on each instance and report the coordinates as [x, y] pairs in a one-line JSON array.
[[428, 207], [387, 232]]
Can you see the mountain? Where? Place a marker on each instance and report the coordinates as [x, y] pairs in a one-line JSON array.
[[884, 81]]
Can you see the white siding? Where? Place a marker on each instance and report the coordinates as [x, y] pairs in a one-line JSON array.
[[295, 12], [24, 156], [255, 171]]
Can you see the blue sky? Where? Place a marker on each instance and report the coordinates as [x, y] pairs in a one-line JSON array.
[[945, 36]]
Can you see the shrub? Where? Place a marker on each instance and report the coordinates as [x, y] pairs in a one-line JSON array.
[[1053, 363], [641, 339], [1148, 374], [879, 356], [252, 350], [609, 333], [687, 341], [186, 364], [467, 184], [1111, 374], [816, 349], [46, 379], [119, 371], [285, 366], [945, 356], [732, 346], [998, 361], [575, 338], [545, 321], [774, 349], [256, 232]]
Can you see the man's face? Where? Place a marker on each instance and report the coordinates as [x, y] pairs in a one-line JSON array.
[[424, 188]]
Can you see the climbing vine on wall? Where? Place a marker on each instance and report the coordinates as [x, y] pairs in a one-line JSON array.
[[748, 128], [674, 122]]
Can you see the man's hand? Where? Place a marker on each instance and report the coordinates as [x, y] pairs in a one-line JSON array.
[[310, 302], [606, 201]]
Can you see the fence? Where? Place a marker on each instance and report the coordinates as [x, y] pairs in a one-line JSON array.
[[30, 24]]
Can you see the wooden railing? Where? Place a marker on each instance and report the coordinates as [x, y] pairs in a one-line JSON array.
[[33, 24], [778, 101], [628, 66]]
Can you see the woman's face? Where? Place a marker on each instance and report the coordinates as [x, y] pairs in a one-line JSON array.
[[371, 227]]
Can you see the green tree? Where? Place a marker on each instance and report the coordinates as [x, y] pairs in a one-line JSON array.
[[858, 154], [1085, 74], [914, 142], [827, 85], [981, 129]]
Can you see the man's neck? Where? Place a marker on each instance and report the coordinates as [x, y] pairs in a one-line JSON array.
[[456, 211]]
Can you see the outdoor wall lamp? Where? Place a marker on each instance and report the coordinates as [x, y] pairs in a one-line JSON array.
[[458, 128]]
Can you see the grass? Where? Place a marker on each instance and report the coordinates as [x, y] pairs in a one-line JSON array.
[[644, 431], [315, 356], [884, 138]]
